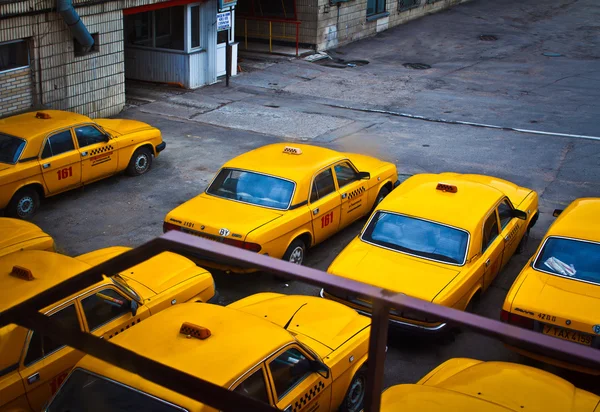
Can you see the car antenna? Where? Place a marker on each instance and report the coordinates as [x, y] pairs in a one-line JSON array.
[[297, 310]]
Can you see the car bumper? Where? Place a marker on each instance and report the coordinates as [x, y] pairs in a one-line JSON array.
[[396, 324], [555, 362], [160, 147]]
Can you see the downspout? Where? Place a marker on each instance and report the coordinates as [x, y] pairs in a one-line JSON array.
[[78, 29]]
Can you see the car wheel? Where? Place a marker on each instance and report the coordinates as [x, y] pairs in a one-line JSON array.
[[23, 204], [295, 252], [380, 196], [523, 243], [355, 396], [140, 162]]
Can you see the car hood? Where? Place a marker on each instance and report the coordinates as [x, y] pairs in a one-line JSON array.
[[119, 127], [329, 323], [15, 231], [392, 270], [207, 214]]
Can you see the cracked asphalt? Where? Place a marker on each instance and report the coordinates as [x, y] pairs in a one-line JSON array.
[[508, 83]]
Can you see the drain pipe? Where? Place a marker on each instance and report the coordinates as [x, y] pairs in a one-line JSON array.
[[78, 29]]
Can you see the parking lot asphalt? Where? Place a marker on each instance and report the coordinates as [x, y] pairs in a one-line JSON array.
[[508, 82]]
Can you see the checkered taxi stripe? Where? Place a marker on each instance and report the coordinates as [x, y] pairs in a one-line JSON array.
[[513, 232], [100, 150], [308, 396], [357, 192]]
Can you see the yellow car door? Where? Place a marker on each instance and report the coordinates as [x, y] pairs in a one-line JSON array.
[[510, 229], [324, 205], [296, 386], [45, 364], [491, 249], [60, 162], [98, 153], [353, 193]]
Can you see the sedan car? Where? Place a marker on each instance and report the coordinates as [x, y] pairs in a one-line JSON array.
[[460, 385], [20, 235], [52, 151], [293, 352], [280, 200], [442, 238], [32, 366], [558, 292]]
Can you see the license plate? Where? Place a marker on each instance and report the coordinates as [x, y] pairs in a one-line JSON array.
[[566, 334], [193, 232]]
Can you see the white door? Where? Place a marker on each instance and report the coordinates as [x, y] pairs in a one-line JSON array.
[[221, 50]]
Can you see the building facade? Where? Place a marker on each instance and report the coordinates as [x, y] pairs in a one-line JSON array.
[[42, 64]]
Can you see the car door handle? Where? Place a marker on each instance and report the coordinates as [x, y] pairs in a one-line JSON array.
[[83, 153], [46, 165], [316, 211], [344, 195], [487, 263], [33, 378]]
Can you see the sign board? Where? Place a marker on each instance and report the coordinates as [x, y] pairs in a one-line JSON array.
[[224, 4], [223, 21]]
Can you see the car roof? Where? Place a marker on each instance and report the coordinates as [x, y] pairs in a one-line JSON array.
[[238, 341], [28, 126], [272, 160], [579, 220], [417, 196], [48, 269]]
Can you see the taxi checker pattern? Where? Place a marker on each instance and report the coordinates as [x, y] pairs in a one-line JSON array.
[[101, 150], [357, 192], [308, 396]]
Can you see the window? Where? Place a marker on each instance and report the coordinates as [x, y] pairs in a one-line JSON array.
[[571, 258], [287, 370], [14, 55], [104, 306], [10, 148], [254, 387], [375, 7], [88, 135], [195, 26], [505, 213], [345, 174], [139, 29], [59, 143], [322, 185], [42, 346], [404, 5], [490, 231], [163, 28]]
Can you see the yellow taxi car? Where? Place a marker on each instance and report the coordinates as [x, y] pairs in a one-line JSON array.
[[32, 366], [558, 292], [51, 151], [462, 385], [279, 200], [18, 235], [293, 352], [442, 238]]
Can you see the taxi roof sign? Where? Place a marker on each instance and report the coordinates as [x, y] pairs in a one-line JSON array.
[[21, 273], [292, 150], [194, 331], [446, 188], [42, 115]]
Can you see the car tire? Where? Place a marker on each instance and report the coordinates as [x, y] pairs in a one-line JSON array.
[[23, 204], [380, 196], [295, 252], [355, 396], [140, 162]]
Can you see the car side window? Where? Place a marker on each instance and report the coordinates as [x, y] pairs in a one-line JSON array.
[[88, 135], [103, 306], [288, 369], [490, 231], [58, 143], [505, 213], [41, 346], [254, 386], [322, 185], [345, 174]]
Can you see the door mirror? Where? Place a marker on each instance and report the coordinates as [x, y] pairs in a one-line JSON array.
[[320, 368], [134, 307], [519, 214], [364, 175]]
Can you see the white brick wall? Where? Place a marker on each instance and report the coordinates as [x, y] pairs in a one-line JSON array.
[[15, 91]]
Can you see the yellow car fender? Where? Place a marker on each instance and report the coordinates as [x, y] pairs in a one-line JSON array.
[[301, 233], [343, 381], [126, 153]]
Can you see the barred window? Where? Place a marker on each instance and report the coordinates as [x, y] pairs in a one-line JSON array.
[[404, 5]]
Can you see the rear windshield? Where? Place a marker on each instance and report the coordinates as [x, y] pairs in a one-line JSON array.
[[253, 188], [85, 391], [417, 237], [571, 258], [10, 148]]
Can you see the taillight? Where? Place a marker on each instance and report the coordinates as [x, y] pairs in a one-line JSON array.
[[170, 226], [253, 247], [516, 320]]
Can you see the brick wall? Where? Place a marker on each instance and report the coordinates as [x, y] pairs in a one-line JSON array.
[[15, 91]]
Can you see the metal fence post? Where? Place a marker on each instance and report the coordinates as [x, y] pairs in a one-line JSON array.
[[270, 38], [377, 353]]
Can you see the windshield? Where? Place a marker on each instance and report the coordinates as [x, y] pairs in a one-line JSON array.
[[417, 237], [253, 188], [85, 391], [572, 258], [10, 148]]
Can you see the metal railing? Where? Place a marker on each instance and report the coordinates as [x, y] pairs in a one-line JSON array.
[[262, 23], [27, 315]]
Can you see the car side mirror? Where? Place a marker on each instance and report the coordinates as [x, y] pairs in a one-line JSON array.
[[134, 307], [320, 368], [519, 214], [364, 175]]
